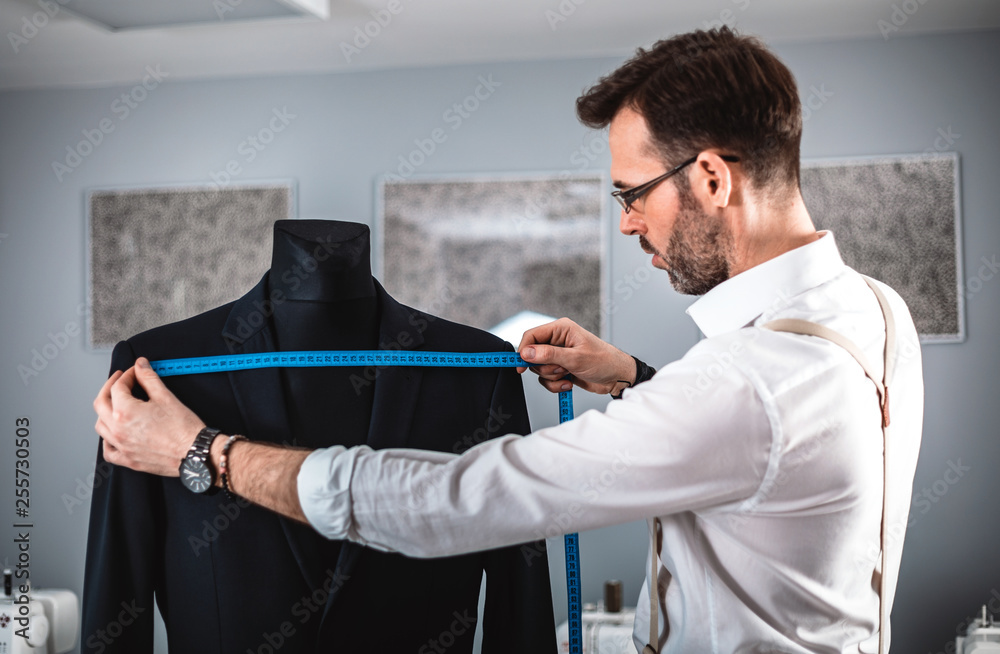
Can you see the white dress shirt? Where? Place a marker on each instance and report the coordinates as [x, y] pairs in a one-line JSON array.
[[761, 452]]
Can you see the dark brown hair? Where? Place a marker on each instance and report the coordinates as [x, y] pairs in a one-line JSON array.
[[709, 89]]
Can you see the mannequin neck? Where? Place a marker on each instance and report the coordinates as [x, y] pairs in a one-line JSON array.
[[321, 261]]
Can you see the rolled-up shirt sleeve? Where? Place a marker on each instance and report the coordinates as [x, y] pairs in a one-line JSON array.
[[656, 452]]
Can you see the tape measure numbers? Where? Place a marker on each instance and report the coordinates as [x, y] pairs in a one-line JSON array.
[[324, 358], [571, 543]]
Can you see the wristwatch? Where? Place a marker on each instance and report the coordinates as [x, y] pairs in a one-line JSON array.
[[196, 469]]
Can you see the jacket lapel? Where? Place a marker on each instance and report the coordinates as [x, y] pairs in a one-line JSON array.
[[396, 393], [259, 392], [260, 397], [396, 388]]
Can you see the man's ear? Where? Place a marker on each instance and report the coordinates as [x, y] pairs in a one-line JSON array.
[[712, 179]]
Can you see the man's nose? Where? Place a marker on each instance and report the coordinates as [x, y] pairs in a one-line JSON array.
[[631, 223]]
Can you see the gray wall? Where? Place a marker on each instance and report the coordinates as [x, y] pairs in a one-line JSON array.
[[880, 97]]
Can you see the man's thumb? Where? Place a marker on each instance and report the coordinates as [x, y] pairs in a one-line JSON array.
[[536, 353], [147, 377]]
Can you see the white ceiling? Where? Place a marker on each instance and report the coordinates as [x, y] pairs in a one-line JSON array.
[[69, 51]]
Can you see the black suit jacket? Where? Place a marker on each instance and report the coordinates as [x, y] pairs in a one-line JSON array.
[[232, 577]]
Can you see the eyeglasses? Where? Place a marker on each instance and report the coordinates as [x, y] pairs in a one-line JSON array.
[[628, 197]]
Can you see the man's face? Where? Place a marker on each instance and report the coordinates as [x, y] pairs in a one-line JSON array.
[[692, 245]]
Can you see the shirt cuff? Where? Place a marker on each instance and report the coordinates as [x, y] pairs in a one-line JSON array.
[[324, 486]]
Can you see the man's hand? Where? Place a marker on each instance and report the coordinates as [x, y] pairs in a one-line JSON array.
[[151, 436], [562, 348]]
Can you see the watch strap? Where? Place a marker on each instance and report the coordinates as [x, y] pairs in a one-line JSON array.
[[202, 444], [643, 373]]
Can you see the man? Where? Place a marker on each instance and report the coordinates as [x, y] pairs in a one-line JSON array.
[[757, 457]]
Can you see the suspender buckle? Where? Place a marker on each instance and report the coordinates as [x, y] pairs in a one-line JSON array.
[[885, 407]]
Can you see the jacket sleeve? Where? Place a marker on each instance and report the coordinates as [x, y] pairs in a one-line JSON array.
[[124, 552], [518, 611]]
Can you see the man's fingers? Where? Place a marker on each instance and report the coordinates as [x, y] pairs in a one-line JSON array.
[[540, 334], [551, 333], [556, 385], [149, 380], [102, 403], [549, 371], [111, 453], [555, 356], [121, 391]]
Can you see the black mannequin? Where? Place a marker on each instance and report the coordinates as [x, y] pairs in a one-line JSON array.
[[322, 270], [235, 578]]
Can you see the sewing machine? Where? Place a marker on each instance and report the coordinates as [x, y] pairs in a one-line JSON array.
[[981, 637], [38, 622]]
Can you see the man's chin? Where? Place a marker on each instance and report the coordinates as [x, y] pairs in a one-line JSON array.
[[682, 285]]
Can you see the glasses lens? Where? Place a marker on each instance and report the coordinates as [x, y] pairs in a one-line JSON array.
[[621, 201]]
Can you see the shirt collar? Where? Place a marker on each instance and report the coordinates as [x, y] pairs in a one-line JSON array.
[[768, 286]]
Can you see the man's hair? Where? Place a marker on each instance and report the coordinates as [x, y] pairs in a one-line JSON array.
[[715, 89]]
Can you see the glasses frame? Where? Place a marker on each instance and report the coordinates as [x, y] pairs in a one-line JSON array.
[[628, 196]]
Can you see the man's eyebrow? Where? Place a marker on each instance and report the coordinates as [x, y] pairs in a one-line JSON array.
[[620, 185]]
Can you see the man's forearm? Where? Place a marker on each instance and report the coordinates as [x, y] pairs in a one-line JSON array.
[[264, 473]]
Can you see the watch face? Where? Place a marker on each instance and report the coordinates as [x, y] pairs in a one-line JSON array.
[[195, 475]]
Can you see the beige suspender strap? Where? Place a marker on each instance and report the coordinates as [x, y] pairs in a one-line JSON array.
[[655, 537], [887, 370], [814, 329], [882, 385]]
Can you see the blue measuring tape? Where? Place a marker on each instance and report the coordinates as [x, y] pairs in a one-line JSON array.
[[571, 543], [323, 358]]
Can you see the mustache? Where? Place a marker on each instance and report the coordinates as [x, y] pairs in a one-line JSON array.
[[647, 247]]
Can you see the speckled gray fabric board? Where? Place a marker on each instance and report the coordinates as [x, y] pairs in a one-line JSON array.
[[896, 219], [478, 251], [158, 255]]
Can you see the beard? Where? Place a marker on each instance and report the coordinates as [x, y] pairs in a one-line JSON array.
[[696, 259]]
